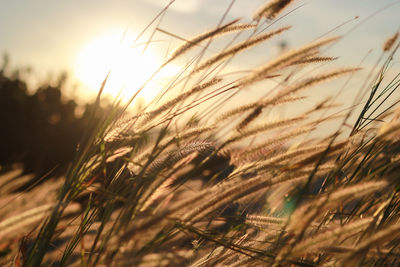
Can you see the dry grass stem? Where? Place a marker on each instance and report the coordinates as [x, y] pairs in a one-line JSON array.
[[331, 236], [260, 103], [262, 128]]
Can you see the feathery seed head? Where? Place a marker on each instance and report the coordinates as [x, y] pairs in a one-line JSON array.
[[390, 42], [271, 9]]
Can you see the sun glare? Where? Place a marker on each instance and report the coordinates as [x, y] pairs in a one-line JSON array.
[[129, 67]]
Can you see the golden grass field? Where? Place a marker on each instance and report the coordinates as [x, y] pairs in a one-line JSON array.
[[236, 187]]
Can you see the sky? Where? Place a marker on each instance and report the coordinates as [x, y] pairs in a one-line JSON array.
[[52, 36]]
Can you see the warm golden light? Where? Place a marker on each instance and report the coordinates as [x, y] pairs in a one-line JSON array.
[[129, 67]]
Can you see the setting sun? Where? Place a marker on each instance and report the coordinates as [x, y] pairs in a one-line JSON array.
[[128, 65]]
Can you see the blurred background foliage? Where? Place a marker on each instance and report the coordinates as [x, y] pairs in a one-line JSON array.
[[40, 128]]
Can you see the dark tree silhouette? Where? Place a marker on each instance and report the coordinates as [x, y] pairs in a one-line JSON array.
[[39, 130]]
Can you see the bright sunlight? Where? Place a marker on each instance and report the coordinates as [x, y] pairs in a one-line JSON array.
[[128, 65]]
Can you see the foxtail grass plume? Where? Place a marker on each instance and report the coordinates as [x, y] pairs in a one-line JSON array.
[[238, 48], [283, 61], [225, 29], [271, 9], [390, 42]]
